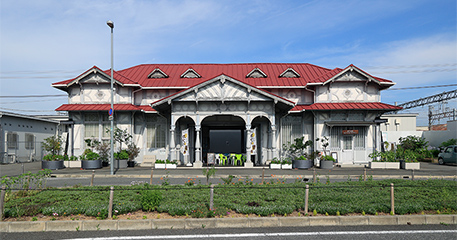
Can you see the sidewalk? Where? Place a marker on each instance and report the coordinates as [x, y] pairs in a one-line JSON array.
[[428, 170]]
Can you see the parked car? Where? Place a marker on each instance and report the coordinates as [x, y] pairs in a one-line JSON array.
[[449, 155]]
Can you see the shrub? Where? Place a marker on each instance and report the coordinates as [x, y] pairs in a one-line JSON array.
[[150, 199]]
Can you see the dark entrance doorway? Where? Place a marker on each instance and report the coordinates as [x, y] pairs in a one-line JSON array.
[[223, 134]]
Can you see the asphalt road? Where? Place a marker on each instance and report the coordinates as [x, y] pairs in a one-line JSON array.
[[406, 232]]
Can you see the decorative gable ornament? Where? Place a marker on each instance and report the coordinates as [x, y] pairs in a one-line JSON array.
[[190, 73], [289, 73], [157, 73], [256, 73]]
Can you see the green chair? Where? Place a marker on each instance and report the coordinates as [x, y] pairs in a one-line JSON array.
[[238, 160], [224, 159]]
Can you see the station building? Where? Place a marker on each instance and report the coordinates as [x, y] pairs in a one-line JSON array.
[[186, 111]]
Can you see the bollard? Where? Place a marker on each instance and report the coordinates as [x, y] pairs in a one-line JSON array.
[[263, 175], [110, 206], [392, 205], [211, 196], [412, 175], [314, 175], [2, 199], [150, 180], [364, 174], [92, 179], [306, 198]]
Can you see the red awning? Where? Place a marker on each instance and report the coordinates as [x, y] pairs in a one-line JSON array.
[[345, 106], [104, 107]]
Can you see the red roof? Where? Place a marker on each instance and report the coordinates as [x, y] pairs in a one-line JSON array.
[[345, 106], [104, 107], [139, 74]]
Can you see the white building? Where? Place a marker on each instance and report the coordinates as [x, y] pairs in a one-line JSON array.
[[217, 103], [21, 136]]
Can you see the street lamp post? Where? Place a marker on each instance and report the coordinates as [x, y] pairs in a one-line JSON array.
[[111, 117]]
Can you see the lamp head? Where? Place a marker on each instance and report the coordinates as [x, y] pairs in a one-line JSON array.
[[110, 24]]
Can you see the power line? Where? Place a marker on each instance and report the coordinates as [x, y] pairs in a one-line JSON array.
[[19, 110], [410, 88], [34, 96]]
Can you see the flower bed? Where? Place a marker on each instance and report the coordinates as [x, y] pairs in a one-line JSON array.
[[243, 197]]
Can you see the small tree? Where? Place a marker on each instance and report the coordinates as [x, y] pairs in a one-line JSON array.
[[298, 148], [133, 151], [324, 142], [53, 144], [121, 136]]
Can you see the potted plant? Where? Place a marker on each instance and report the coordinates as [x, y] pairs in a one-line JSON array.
[[90, 160], [384, 160], [120, 159], [275, 164], [133, 152], [409, 159], [298, 152], [171, 164], [159, 164], [103, 150], [52, 160], [326, 162], [286, 164], [72, 162]]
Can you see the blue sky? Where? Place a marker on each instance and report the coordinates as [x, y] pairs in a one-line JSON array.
[[411, 42]]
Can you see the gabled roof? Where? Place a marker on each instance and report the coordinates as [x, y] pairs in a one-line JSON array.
[[345, 106], [272, 75], [224, 78], [117, 77], [334, 74]]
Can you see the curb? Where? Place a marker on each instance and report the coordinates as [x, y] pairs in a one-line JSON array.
[[149, 224], [249, 176]]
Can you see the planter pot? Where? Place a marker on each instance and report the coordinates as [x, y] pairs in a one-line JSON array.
[[410, 165], [324, 164], [275, 166], [392, 165], [286, 166], [384, 165], [170, 166], [120, 163], [91, 164], [105, 163], [377, 165], [72, 164], [53, 165], [302, 164], [159, 166], [131, 164]]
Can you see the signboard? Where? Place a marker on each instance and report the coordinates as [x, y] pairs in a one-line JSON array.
[[350, 132], [110, 112], [253, 141], [185, 142]]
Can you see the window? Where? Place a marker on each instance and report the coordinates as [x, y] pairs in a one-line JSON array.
[[12, 140], [291, 128], [156, 132], [29, 141], [335, 138]]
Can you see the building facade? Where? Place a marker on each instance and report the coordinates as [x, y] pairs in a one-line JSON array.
[[21, 136], [185, 111]]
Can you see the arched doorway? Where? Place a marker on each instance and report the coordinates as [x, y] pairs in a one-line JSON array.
[[182, 124], [223, 134], [263, 153]]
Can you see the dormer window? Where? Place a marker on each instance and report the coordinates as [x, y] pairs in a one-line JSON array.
[[289, 73], [190, 73], [157, 73], [256, 73]]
